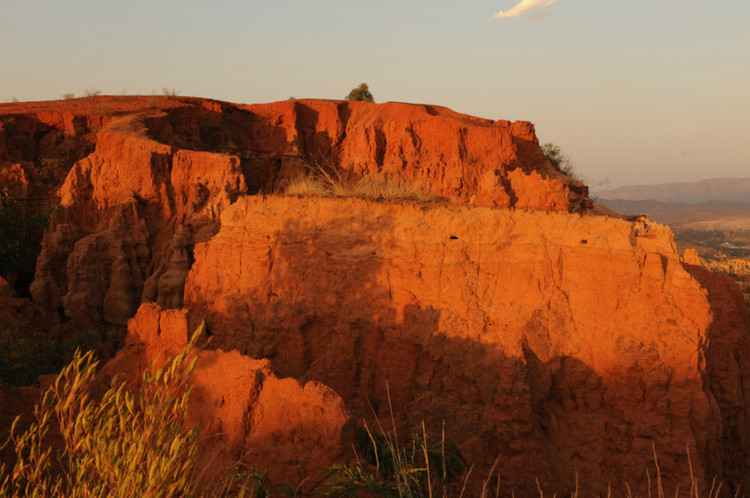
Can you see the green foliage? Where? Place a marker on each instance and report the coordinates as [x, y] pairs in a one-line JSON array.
[[250, 482], [559, 160], [16, 230], [423, 467], [122, 445], [48, 169], [24, 359], [361, 93]]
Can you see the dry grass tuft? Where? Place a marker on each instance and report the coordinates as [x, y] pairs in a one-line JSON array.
[[125, 444], [306, 185], [326, 179]]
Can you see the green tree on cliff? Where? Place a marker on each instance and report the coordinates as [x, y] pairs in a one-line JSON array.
[[559, 160], [361, 93]]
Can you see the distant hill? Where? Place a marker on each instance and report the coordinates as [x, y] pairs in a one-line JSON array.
[[682, 213], [715, 189], [718, 230]]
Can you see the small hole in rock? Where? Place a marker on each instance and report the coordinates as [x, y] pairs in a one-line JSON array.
[[453, 237], [584, 241]]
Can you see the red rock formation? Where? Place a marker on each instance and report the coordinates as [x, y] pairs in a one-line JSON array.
[[466, 159], [726, 349], [527, 332], [135, 207], [133, 210], [562, 342], [243, 412]]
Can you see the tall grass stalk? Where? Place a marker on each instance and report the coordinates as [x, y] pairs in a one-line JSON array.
[[122, 445]]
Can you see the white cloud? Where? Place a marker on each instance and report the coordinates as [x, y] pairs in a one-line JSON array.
[[522, 7]]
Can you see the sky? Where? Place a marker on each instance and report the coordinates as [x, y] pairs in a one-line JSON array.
[[635, 92]]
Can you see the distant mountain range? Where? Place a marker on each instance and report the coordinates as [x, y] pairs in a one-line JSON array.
[[711, 216], [715, 189], [715, 214]]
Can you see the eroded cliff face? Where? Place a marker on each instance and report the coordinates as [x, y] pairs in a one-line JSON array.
[[565, 343], [244, 413], [163, 169]]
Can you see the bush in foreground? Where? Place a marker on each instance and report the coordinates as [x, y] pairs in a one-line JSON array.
[[122, 445], [127, 444], [424, 467]]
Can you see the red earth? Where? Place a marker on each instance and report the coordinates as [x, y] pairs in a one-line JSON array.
[[511, 311]]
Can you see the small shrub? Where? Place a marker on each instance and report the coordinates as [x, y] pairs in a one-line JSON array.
[[122, 445], [423, 467], [24, 358], [16, 231], [252, 482], [47, 169], [92, 92], [559, 160], [360, 93], [169, 92], [68, 96]]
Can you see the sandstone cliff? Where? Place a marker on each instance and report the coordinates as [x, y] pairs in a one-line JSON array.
[[563, 343], [163, 169], [566, 343], [242, 410]]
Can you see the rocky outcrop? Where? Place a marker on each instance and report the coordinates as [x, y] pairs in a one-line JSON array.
[[243, 412], [526, 332], [132, 211], [466, 159], [726, 349], [565, 343], [162, 171]]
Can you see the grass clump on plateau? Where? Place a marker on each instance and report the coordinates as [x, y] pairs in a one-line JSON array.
[[326, 179]]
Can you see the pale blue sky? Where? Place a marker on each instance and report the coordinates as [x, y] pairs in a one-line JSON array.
[[637, 91]]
